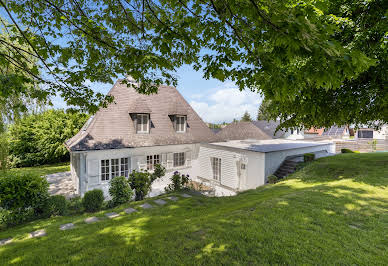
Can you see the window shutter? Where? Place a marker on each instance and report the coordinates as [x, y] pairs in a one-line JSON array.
[[170, 160], [93, 167], [141, 163], [164, 159], [188, 158]]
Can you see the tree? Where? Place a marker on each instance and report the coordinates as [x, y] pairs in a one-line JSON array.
[[264, 112], [319, 62], [39, 138], [246, 117]]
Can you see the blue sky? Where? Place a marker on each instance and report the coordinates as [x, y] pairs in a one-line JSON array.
[[213, 100]]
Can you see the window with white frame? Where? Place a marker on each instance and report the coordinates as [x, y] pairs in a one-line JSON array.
[[180, 123], [114, 167], [124, 167], [105, 170], [179, 159], [142, 123], [152, 160], [216, 168]]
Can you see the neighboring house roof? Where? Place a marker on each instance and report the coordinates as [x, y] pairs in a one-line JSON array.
[[335, 131], [251, 130], [317, 131], [113, 127]]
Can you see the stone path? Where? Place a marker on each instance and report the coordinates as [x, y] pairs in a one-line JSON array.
[[93, 219], [68, 226]]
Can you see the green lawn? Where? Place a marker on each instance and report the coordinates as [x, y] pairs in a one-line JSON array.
[[333, 211], [40, 170]]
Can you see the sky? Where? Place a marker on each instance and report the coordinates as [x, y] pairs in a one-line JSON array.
[[213, 100]]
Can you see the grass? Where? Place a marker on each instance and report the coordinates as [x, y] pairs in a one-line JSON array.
[[333, 211], [40, 170]]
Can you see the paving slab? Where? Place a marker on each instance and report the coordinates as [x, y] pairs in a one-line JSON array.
[[68, 226], [38, 233], [90, 220], [5, 241], [112, 215], [146, 206], [160, 202], [186, 195], [173, 198], [129, 210]]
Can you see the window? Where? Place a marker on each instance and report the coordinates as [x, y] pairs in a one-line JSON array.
[[365, 134], [216, 167], [243, 166], [124, 167], [114, 166], [104, 170], [152, 160], [179, 159], [142, 124], [180, 125]]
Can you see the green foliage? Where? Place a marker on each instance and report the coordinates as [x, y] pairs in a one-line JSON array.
[[159, 171], [39, 138], [20, 192], [141, 183], [308, 157], [93, 200], [178, 182], [246, 117], [264, 112], [4, 151], [75, 205], [347, 151], [272, 179], [56, 206], [120, 191]]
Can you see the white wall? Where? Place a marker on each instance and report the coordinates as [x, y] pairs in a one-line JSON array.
[[256, 170], [377, 134], [294, 135], [274, 159], [89, 176]]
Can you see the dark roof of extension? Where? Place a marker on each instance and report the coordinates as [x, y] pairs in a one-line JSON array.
[[113, 127], [334, 131], [251, 130]]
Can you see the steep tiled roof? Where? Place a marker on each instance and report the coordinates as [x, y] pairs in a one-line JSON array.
[[313, 130], [251, 130], [113, 127]]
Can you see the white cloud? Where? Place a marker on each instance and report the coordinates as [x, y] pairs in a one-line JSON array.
[[226, 103]]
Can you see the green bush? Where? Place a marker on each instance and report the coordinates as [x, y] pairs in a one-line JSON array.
[[141, 182], [347, 151], [56, 206], [308, 157], [120, 191], [159, 171], [93, 200], [178, 182], [272, 179], [75, 205], [38, 139]]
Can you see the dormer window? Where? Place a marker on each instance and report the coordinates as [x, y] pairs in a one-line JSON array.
[[143, 123], [180, 123]]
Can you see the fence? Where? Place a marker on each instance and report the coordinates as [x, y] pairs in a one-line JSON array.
[[362, 145]]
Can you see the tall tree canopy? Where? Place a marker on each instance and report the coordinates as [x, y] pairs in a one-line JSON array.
[[319, 62], [264, 111], [246, 117]]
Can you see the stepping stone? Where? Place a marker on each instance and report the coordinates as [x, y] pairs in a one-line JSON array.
[[38, 233], [160, 202], [112, 215], [173, 198], [68, 226], [186, 195], [129, 210], [90, 220], [146, 206], [6, 241]]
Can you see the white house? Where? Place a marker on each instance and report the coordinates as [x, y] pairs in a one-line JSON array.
[[260, 129], [135, 133], [365, 132]]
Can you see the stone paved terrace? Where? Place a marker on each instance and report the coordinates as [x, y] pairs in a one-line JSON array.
[[61, 184]]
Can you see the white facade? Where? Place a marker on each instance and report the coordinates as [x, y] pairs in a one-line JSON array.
[[381, 134], [293, 134], [86, 167]]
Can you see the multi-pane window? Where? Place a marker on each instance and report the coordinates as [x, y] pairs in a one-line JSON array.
[[104, 170], [152, 160], [180, 125], [124, 167], [179, 159], [142, 124], [114, 167], [216, 168]]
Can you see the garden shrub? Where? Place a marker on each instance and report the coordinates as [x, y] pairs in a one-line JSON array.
[[93, 200], [159, 171], [56, 205], [308, 157], [347, 151], [178, 182], [272, 179], [120, 191], [75, 205], [141, 182]]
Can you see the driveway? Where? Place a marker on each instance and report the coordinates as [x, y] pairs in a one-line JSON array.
[[61, 184]]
